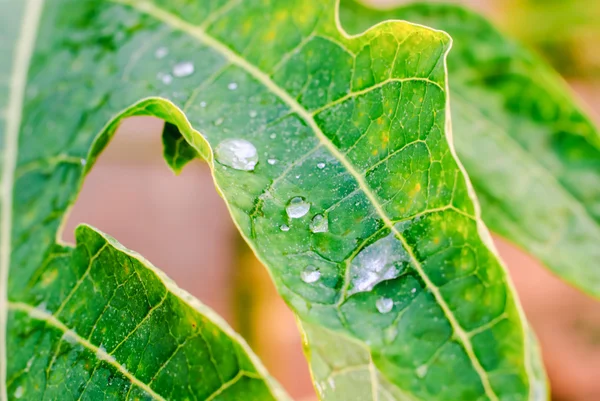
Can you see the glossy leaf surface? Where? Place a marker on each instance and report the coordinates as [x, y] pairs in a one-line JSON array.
[[333, 155], [530, 149]]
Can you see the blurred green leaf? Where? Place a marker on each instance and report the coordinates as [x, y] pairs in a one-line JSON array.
[[333, 154]]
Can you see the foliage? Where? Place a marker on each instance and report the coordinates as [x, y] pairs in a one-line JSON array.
[[334, 155]]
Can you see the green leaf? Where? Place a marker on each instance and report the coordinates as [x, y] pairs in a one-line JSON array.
[[531, 151], [332, 153]]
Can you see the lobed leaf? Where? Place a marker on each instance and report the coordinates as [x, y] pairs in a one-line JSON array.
[[531, 151], [333, 155]]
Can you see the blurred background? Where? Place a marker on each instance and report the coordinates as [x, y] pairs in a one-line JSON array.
[[182, 226]]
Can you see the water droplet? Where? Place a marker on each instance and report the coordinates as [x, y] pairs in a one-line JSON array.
[[422, 371], [284, 227], [310, 275], [413, 290], [202, 104], [232, 86], [252, 113], [237, 153], [384, 305], [219, 121], [183, 69], [164, 78], [321, 165], [19, 392], [319, 224], [331, 382], [378, 262], [161, 52], [273, 136], [272, 161], [83, 162], [297, 207]]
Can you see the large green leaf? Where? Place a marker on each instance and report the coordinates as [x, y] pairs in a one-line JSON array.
[[532, 153], [333, 156]]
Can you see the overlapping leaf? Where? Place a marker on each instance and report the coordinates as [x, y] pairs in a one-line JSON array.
[[334, 158], [532, 153]]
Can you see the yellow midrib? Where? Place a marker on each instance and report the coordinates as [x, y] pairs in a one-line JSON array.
[[194, 31]]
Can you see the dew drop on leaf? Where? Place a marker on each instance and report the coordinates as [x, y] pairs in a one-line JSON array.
[[273, 136], [310, 275], [252, 113], [183, 69], [422, 371], [384, 305], [297, 207], [161, 52], [232, 86], [19, 392], [271, 161], [165, 78], [321, 165], [237, 153], [319, 224], [219, 121], [378, 262], [284, 227], [203, 104]]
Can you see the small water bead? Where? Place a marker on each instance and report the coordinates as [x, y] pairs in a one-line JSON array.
[[284, 227], [422, 371], [232, 86], [321, 165], [271, 161], [161, 52], [384, 305], [19, 392], [165, 78], [219, 121], [183, 69], [310, 275], [83, 162], [273, 136], [237, 153], [319, 224], [203, 104], [252, 113], [413, 290], [297, 207]]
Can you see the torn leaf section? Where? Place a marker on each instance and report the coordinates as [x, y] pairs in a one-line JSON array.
[[176, 150]]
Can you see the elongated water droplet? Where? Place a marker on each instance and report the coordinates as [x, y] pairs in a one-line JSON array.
[[237, 153], [284, 227], [319, 224], [310, 275], [271, 161], [232, 86], [321, 165], [183, 69], [297, 207], [19, 392], [384, 305], [161, 52], [422, 371], [378, 262]]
